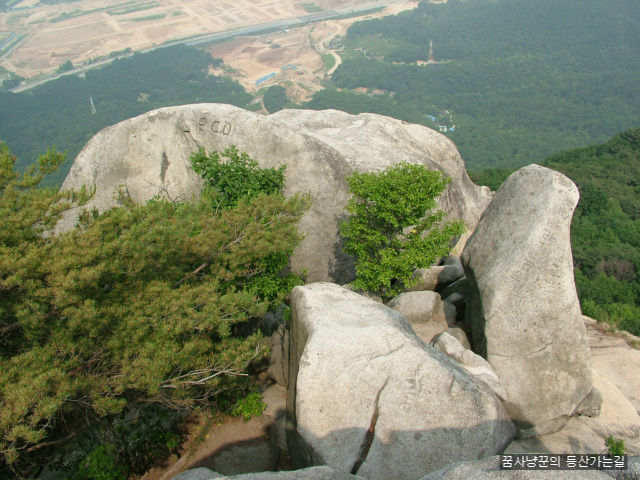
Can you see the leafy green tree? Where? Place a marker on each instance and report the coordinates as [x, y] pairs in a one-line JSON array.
[[144, 303], [394, 226]]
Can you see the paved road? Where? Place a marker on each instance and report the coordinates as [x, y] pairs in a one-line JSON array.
[[228, 35]]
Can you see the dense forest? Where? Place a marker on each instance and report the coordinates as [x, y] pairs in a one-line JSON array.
[[60, 112], [522, 80], [605, 231]]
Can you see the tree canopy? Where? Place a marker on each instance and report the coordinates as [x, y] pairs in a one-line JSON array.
[[59, 112], [154, 303], [522, 80], [605, 231]]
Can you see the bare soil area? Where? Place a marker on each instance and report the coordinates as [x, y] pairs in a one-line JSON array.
[[257, 57], [85, 29]]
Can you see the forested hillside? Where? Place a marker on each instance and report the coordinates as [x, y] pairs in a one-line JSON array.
[[605, 231], [525, 79], [59, 112]]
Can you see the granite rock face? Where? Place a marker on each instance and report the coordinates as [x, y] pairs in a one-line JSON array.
[[367, 397], [314, 473], [149, 155], [523, 308], [472, 363], [425, 311]]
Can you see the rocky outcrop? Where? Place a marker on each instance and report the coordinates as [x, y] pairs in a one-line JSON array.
[[425, 311], [366, 396], [314, 473], [584, 434], [472, 363], [612, 356], [523, 308], [149, 155], [615, 367], [437, 277]]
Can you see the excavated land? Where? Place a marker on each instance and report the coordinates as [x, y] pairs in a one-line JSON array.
[[294, 56], [44, 36], [78, 31]]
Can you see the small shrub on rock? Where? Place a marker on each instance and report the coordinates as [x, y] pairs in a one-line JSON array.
[[395, 227], [250, 406]]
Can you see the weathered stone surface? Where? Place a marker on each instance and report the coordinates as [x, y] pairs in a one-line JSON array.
[[438, 277], [450, 314], [427, 278], [612, 356], [458, 301], [314, 473], [489, 469], [366, 396], [424, 311], [523, 308], [460, 286], [201, 473], [460, 335], [279, 358], [472, 363], [453, 272], [591, 405], [150, 154], [587, 435]]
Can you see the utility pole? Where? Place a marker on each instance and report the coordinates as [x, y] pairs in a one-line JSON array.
[[93, 107]]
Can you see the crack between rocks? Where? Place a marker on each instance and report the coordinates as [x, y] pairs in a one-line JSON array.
[[520, 355], [370, 435], [164, 165]]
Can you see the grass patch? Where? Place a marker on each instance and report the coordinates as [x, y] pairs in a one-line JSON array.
[[75, 13], [328, 60], [146, 19], [133, 8], [311, 8], [358, 14], [16, 17]]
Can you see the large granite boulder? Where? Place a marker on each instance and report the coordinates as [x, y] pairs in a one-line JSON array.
[[367, 397], [149, 155], [523, 308]]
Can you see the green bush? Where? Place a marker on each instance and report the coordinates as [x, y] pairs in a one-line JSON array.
[[394, 226], [250, 406], [157, 303], [614, 446], [120, 446], [239, 176]]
